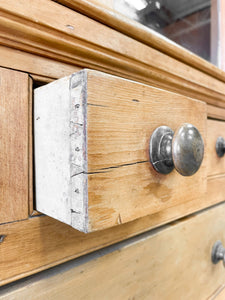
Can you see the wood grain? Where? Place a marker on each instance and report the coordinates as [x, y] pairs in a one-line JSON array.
[[26, 26], [215, 164], [215, 112], [216, 188], [14, 90], [121, 116], [102, 3], [219, 294], [103, 11], [171, 263], [30, 149], [110, 120], [43, 242], [44, 67], [39, 243]]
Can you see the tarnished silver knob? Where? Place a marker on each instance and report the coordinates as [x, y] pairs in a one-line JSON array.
[[218, 253], [220, 146], [183, 150]]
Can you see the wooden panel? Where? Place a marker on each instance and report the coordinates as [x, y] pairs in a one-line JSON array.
[[26, 26], [216, 188], [172, 263], [121, 116], [96, 9], [215, 112], [14, 89], [124, 174], [104, 3], [43, 242], [215, 164], [35, 65], [30, 150]]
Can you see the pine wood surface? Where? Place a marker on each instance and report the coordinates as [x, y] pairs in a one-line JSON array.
[[103, 11], [45, 64], [171, 263], [119, 118], [14, 92], [215, 112], [219, 294], [25, 26], [44, 67], [30, 149], [216, 188], [42, 242], [215, 164]]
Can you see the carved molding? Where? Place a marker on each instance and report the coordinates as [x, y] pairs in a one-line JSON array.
[[75, 39]]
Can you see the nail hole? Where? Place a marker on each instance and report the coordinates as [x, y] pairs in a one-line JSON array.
[[2, 237], [70, 27]]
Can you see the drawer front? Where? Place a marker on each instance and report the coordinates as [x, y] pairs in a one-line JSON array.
[[92, 134], [14, 95], [215, 164], [171, 263]]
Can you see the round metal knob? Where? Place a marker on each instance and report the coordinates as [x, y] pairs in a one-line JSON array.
[[183, 150], [220, 146], [218, 253]]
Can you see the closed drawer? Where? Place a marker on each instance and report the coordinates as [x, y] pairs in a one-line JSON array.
[[215, 164], [171, 263], [92, 133]]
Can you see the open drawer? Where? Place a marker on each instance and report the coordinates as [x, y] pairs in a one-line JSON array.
[[92, 165]]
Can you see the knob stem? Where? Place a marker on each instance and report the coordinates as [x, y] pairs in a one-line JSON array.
[[161, 150], [218, 253], [183, 149]]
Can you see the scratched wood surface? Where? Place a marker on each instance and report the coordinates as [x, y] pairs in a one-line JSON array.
[[43, 242], [104, 12], [171, 263], [215, 164], [14, 89], [122, 185], [121, 116]]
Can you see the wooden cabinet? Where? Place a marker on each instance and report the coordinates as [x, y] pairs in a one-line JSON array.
[[135, 82]]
